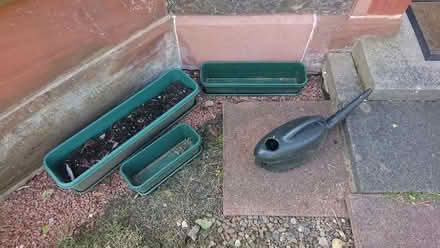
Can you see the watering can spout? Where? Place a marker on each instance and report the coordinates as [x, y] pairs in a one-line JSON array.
[[343, 113]]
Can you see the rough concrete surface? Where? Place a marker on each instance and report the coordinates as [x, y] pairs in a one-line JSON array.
[[341, 79], [394, 146], [315, 189], [395, 67], [258, 7], [75, 99], [381, 221]]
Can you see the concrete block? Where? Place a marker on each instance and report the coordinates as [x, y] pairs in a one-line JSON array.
[[341, 79], [395, 67]]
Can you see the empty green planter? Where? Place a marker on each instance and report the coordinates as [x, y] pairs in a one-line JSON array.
[[253, 78], [151, 166], [104, 167]]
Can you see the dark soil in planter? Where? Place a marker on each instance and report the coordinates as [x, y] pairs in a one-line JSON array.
[[98, 147]]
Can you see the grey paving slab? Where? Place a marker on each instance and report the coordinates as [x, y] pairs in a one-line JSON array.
[[341, 79], [395, 146], [315, 189], [380, 221], [241, 7], [395, 67]]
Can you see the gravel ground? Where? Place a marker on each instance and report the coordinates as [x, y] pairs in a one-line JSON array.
[[39, 213]]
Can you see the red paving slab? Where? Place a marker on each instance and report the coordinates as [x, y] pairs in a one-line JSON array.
[[381, 221], [315, 189]]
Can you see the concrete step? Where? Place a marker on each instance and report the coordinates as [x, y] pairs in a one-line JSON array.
[[341, 80], [395, 67]]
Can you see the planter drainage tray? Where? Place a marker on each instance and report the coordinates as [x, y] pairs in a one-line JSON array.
[[151, 166], [253, 78], [53, 161]]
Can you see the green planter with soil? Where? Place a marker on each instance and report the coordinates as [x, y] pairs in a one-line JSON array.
[[253, 78], [151, 166], [86, 158]]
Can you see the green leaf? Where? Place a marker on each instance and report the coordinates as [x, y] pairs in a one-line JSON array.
[[45, 229]]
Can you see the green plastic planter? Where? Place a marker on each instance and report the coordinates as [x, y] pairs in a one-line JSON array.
[[253, 78], [104, 167], [165, 167]]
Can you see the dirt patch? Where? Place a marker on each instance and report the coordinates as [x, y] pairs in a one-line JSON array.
[[98, 147]]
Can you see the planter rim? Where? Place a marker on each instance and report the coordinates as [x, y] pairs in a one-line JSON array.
[[267, 86], [195, 145]]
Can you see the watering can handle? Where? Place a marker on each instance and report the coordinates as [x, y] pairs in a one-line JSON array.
[[297, 128]]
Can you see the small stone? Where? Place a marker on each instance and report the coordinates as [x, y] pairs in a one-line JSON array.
[[230, 230], [291, 238], [237, 243], [265, 219], [102, 136], [342, 234], [337, 243], [267, 235], [276, 236], [211, 244], [283, 237], [209, 103], [47, 194], [184, 224], [220, 230], [270, 226], [293, 221], [194, 232], [205, 223], [281, 230], [300, 228], [286, 225], [323, 242]]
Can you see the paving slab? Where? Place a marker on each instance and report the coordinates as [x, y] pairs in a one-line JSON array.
[[396, 68], [381, 221], [341, 79], [315, 189], [395, 146]]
